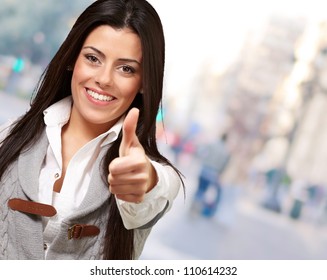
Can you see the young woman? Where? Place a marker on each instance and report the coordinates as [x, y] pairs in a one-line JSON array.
[[80, 173]]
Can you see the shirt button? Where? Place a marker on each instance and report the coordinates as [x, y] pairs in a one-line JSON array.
[[45, 246], [56, 175]]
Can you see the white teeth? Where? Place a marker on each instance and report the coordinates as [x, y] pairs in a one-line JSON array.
[[98, 96]]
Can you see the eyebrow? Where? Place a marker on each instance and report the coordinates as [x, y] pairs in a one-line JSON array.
[[100, 53]]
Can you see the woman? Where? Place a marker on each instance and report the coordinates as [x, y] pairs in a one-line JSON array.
[[81, 175]]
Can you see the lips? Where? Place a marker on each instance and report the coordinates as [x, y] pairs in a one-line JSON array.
[[98, 96]]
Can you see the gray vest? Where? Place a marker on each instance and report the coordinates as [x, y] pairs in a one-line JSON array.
[[21, 234]]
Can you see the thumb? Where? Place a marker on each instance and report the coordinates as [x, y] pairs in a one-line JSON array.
[[129, 132]]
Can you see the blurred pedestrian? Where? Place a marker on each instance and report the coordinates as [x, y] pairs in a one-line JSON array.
[[80, 173], [214, 159]]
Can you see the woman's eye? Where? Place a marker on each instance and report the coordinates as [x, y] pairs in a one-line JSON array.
[[127, 69], [92, 58]]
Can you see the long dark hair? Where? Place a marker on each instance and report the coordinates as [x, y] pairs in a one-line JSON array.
[[55, 84]]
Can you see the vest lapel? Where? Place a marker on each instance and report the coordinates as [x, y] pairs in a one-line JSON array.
[[29, 227], [29, 166]]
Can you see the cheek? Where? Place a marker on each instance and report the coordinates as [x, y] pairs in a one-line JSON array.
[[129, 89], [78, 71], [79, 75], [75, 76]]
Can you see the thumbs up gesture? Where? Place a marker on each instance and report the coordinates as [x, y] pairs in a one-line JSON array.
[[131, 175]]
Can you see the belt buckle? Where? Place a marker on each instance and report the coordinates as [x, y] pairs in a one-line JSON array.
[[72, 231]]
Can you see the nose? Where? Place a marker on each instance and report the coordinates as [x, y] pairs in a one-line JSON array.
[[104, 76]]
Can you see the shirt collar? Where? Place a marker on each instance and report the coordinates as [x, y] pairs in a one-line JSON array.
[[58, 114], [112, 134]]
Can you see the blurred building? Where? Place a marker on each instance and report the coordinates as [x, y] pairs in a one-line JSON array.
[[308, 156], [274, 100], [263, 93]]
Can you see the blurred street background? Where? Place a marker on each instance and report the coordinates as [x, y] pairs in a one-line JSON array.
[[253, 70]]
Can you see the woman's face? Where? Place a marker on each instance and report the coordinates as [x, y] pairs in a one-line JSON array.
[[107, 76]]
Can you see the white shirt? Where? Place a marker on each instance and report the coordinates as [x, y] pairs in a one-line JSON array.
[[79, 172]]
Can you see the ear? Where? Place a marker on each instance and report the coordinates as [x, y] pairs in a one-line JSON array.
[[141, 91]]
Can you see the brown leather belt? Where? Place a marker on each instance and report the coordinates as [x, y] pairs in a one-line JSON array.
[[78, 231], [32, 207]]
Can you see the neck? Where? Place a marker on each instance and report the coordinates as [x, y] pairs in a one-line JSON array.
[[82, 130]]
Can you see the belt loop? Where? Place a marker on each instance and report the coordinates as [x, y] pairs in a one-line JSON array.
[[78, 231]]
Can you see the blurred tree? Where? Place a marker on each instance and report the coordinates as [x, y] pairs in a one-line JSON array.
[[35, 29]]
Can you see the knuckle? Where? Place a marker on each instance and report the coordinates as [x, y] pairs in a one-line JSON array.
[[112, 189], [139, 192]]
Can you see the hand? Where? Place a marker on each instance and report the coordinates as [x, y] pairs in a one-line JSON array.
[[131, 175]]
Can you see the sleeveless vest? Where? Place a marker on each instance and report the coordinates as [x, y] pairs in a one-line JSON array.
[[21, 234]]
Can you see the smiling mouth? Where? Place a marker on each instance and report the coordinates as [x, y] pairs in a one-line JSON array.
[[98, 96]]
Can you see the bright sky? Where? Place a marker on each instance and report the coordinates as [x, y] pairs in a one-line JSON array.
[[214, 29]]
